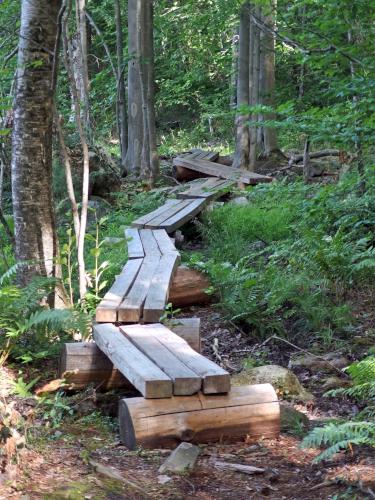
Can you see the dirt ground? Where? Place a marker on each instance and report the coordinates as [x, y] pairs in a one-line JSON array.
[[62, 463]]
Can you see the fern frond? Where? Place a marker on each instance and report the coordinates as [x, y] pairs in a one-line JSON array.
[[339, 437]]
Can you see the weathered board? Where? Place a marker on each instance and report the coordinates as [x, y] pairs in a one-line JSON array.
[[158, 293], [215, 379], [135, 246], [141, 372], [208, 188], [83, 363], [245, 412], [130, 309], [142, 288], [185, 381], [108, 307], [171, 216], [221, 171]]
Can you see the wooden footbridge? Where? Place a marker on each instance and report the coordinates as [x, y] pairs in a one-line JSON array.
[[183, 395]]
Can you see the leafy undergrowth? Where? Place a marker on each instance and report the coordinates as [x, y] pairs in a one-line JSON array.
[[289, 260]]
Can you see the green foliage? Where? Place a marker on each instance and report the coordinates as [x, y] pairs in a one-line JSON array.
[[30, 330], [21, 388], [340, 437], [284, 262], [361, 431]]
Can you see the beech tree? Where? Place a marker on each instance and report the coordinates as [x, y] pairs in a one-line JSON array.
[[35, 231], [142, 158], [255, 84]]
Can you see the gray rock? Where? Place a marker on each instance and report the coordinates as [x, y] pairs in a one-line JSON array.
[[240, 200], [181, 459], [335, 383], [328, 362], [283, 380], [292, 420]]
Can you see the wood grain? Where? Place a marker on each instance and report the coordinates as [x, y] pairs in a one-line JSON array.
[[185, 381], [132, 363], [107, 309], [245, 412]]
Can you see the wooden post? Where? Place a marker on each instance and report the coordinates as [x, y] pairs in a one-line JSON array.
[[248, 411]]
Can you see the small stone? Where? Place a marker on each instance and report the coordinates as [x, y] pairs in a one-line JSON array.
[[335, 383], [328, 362], [163, 479], [283, 380], [240, 200], [292, 420], [181, 459]]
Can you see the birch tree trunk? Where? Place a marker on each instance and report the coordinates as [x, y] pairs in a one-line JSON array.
[[241, 158], [121, 91], [35, 231]]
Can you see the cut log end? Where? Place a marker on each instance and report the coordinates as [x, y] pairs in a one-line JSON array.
[[246, 412]]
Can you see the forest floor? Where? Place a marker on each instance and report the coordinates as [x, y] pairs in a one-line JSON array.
[[61, 463]]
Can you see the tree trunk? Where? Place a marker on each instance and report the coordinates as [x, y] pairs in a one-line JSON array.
[[35, 231], [233, 76], [82, 131], [135, 120], [83, 58], [255, 90], [149, 54], [122, 125], [241, 158], [270, 136]]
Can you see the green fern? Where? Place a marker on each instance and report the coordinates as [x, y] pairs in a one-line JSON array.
[[361, 431], [340, 437]]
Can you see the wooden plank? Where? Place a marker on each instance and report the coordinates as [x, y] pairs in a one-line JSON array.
[[158, 293], [107, 309], [215, 379], [222, 171], [156, 222], [164, 242], [83, 363], [131, 308], [132, 363], [187, 213], [141, 221], [135, 247], [210, 189], [185, 381], [149, 243], [207, 155], [246, 412]]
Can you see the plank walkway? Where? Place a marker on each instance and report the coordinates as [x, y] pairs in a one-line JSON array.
[[207, 188], [209, 168], [172, 215], [158, 362], [141, 291]]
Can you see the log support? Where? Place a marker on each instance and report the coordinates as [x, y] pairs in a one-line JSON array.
[[250, 411]]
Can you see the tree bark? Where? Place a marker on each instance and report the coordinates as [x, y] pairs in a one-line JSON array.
[[270, 136], [68, 57], [241, 158], [135, 120], [122, 125], [35, 231], [255, 91], [233, 76], [83, 58]]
